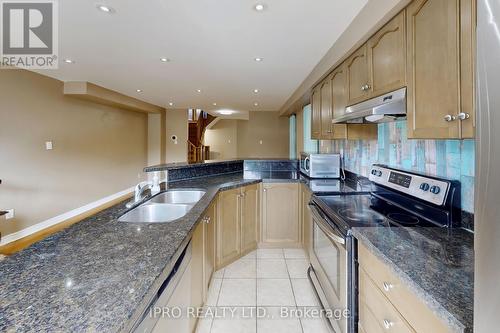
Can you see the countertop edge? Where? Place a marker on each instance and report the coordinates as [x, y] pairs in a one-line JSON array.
[[440, 311]]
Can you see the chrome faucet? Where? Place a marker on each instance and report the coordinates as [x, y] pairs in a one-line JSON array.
[[153, 186]]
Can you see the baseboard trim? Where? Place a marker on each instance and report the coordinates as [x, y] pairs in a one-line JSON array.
[[78, 212]]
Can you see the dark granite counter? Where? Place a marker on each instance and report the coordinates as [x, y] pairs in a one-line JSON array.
[[100, 274], [435, 263]]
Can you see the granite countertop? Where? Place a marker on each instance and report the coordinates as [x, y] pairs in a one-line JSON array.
[[183, 165], [435, 263], [99, 274]]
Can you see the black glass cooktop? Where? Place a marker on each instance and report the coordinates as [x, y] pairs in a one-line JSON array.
[[364, 210]]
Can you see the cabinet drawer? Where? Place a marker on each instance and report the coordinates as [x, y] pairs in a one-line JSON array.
[[416, 313], [376, 313]]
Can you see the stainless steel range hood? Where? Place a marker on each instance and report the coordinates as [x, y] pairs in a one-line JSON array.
[[385, 108]]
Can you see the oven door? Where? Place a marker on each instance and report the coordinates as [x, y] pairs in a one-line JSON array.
[[329, 272]]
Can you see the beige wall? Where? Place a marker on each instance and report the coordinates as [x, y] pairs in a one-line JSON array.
[[264, 135], [98, 150], [176, 124], [222, 138], [242, 138]]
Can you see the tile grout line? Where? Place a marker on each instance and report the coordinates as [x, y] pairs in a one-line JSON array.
[[293, 292]]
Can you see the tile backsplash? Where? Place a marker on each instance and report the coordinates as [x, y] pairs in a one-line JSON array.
[[453, 159]]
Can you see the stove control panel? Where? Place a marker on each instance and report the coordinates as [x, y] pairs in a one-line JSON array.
[[424, 188]]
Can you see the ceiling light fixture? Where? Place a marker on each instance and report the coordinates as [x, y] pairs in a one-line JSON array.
[[198, 90], [255, 104], [258, 59], [69, 61], [259, 7], [214, 104], [225, 112], [256, 91], [105, 9], [165, 60], [171, 103], [139, 90]]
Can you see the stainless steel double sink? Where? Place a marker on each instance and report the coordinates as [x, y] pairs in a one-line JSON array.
[[165, 207]]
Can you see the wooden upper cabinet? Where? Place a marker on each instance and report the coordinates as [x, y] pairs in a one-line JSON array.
[[358, 81], [326, 109], [338, 81], [435, 61], [387, 57], [316, 113]]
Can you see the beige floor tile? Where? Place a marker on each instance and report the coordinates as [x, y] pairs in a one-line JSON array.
[[274, 292], [240, 269], [277, 321], [237, 292], [297, 268], [231, 320], [204, 325], [314, 325], [250, 255], [270, 254], [294, 253], [304, 293], [213, 292], [271, 269], [218, 274]]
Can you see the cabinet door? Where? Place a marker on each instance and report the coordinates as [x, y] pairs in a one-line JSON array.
[[249, 218], [357, 76], [433, 69], [339, 100], [228, 227], [280, 214], [209, 262], [197, 279], [326, 109], [316, 114], [387, 57], [306, 218]]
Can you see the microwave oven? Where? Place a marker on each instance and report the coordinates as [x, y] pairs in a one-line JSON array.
[[320, 165]]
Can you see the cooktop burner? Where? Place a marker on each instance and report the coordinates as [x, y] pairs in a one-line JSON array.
[[403, 219], [359, 215]]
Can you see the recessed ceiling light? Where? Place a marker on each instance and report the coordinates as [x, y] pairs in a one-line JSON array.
[[256, 104], [198, 90], [69, 61], [258, 59], [226, 112], [171, 104], [105, 9], [214, 104], [139, 90], [256, 91], [165, 60], [259, 7]]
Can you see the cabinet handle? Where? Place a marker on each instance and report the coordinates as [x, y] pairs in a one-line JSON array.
[[449, 118], [363, 88], [388, 286], [388, 324], [328, 131], [367, 87], [207, 219], [463, 116]]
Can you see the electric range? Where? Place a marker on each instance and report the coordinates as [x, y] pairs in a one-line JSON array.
[[398, 199]]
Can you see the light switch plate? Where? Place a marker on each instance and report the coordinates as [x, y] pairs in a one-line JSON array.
[[48, 145]]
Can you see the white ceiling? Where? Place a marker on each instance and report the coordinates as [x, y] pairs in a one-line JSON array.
[[211, 43]]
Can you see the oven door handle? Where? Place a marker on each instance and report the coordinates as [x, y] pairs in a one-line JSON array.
[[327, 229]]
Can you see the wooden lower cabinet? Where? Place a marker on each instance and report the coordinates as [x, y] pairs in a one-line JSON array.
[[250, 203], [237, 223], [305, 217], [280, 215], [384, 300], [228, 227], [197, 270], [209, 224]]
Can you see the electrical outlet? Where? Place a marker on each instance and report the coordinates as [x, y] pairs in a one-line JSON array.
[[10, 214], [49, 145]]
